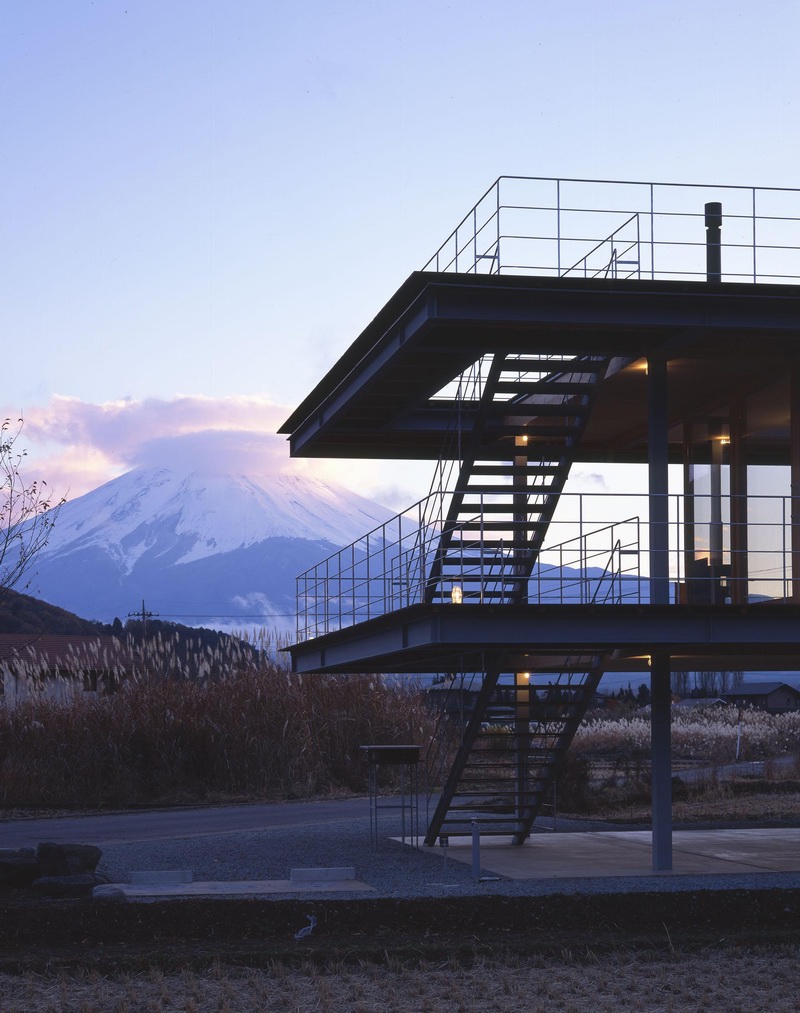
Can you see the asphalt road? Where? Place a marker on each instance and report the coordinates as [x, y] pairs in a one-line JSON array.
[[170, 824]]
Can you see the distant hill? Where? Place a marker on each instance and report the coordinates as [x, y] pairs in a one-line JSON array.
[[190, 648], [20, 613]]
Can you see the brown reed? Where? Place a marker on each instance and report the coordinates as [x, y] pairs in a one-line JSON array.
[[199, 726]]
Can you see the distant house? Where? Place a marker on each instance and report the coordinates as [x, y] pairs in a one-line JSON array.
[[60, 665], [701, 702], [774, 697]]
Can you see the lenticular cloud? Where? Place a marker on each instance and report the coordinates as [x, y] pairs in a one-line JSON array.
[[92, 443]]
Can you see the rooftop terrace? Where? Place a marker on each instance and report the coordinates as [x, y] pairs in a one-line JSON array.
[[529, 225]]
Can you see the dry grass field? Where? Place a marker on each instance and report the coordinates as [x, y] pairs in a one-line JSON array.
[[723, 804], [732, 980], [223, 727], [225, 738]]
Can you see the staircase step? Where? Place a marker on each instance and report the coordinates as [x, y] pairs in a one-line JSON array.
[[496, 789], [556, 374], [483, 818], [523, 387], [552, 432], [504, 797], [568, 369], [499, 525], [516, 469], [498, 793], [537, 409], [535, 494], [497, 508], [539, 448], [488, 828], [539, 454], [508, 545]]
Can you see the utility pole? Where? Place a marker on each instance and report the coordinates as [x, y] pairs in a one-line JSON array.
[[144, 615]]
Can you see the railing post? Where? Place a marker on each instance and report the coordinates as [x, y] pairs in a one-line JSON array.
[[497, 223], [475, 239], [483, 553]]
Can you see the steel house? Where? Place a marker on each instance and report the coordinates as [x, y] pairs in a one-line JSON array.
[[563, 322]]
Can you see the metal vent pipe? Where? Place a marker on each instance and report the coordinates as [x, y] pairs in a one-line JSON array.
[[713, 241]]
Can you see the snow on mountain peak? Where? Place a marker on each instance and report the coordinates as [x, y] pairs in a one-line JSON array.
[[185, 517]]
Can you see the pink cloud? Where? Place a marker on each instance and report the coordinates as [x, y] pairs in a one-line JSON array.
[[77, 445]]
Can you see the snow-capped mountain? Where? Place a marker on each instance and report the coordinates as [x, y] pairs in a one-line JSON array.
[[205, 547]]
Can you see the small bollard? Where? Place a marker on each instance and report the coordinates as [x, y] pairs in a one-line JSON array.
[[444, 840], [476, 851]]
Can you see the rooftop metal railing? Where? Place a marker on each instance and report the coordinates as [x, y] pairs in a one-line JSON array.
[[609, 228], [591, 557]]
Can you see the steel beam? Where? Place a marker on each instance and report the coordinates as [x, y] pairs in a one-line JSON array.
[[421, 638]]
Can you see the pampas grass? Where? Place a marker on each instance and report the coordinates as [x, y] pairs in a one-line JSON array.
[[204, 726]]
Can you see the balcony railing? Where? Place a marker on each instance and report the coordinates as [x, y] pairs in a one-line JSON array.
[[590, 557], [606, 228]]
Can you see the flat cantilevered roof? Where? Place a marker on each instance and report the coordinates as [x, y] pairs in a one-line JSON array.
[[376, 401]]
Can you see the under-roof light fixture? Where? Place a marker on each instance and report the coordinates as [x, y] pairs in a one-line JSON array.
[[521, 441], [456, 594]]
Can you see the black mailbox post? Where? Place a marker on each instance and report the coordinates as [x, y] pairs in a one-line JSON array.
[[407, 758]]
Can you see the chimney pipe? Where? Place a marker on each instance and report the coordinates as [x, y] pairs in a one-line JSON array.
[[713, 241]]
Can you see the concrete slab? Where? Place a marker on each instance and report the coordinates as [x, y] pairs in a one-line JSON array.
[[240, 888], [326, 874], [628, 853], [162, 877]]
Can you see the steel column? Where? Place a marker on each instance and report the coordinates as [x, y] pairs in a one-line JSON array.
[[794, 459], [522, 736], [661, 758], [738, 464], [658, 480]]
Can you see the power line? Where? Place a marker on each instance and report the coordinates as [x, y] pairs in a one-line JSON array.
[[221, 615], [144, 615]]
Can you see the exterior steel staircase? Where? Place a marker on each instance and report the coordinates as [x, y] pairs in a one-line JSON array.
[[511, 750], [514, 465], [529, 419]]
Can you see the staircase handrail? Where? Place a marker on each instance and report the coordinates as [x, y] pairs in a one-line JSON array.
[[608, 239]]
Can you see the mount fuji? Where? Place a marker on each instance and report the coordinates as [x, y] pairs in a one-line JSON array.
[[201, 547]]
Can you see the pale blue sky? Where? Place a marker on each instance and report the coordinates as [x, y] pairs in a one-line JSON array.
[[207, 198]]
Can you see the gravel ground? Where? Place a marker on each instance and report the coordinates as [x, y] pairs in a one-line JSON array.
[[393, 870]]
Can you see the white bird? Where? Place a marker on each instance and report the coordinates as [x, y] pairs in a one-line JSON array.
[[306, 929]]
